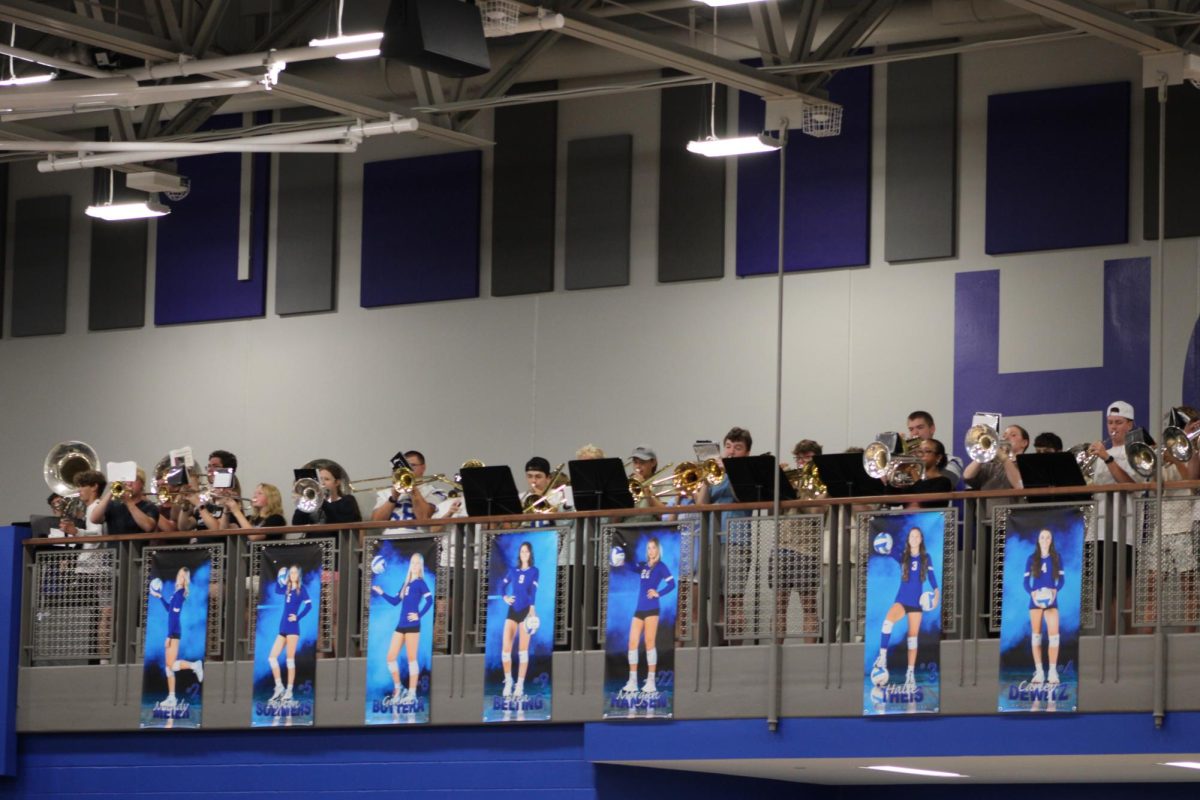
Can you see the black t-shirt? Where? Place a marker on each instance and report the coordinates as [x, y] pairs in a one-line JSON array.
[[273, 521], [936, 485], [117, 518], [344, 509]]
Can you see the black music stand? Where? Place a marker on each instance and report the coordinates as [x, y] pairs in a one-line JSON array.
[[844, 476], [750, 478], [490, 490], [599, 483], [1046, 470]]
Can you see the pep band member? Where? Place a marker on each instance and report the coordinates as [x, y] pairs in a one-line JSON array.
[[915, 568], [414, 600], [296, 604], [266, 505], [520, 592], [656, 581], [174, 607], [1044, 572]]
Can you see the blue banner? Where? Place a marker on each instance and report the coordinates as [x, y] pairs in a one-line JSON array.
[[902, 639], [521, 582], [400, 631], [1039, 629], [176, 638], [285, 638], [639, 632]]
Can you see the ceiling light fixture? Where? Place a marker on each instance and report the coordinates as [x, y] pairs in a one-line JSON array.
[[24, 80], [1184, 764], [719, 3], [117, 212], [367, 39], [928, 773]]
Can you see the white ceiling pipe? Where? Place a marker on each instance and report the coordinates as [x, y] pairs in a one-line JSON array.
[[52, 62], [549, 22], [238, 146], [103, 93], [187, 67], [353, 132]]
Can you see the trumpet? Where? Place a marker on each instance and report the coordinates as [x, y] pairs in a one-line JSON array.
[[983, 444], [1178, 442], [806, 480], [890, 460], [309, 495], [118, 490]]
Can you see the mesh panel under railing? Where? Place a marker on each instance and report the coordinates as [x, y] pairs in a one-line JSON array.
[[562, 587], [328, 608], [214, 647], [441, 592], [1087, 601], [949, 580], [73, 599], [1165, 562], [684, 581], [765, 569]]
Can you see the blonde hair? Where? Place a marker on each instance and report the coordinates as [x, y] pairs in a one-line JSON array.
[[415, 564], [187, 580], [274, 501], [589, 450]]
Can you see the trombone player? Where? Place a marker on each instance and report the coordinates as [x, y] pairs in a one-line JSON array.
[[417, 504], [645, 466]]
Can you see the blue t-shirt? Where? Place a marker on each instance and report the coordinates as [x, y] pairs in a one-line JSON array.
[[723, 493], [658, 578], [521, 585]]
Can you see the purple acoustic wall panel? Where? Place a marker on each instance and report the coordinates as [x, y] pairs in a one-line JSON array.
[[828, 188], [420, 234], [196, 271], [1058, 168]]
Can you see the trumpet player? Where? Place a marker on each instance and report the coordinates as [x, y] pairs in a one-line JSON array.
[[1001, 472], [417, 504], [1112, 465], [132, 513]]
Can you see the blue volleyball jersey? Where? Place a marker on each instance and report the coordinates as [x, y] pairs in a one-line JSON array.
[[521, 585], [658, 578], [415, 598], [294, 602], [1046, 578], [909, 593], [174, 607]]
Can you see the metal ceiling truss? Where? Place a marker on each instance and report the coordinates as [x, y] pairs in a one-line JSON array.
[[1102, 23]]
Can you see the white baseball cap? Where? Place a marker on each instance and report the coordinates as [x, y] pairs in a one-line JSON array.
[[1119, 408]]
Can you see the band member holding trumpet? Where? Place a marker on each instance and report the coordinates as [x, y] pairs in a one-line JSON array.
[[266, 508], [1001, 472], [1111, 464], [130, 512]]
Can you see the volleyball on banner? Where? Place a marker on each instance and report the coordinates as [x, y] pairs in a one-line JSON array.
[[176, 638], [400, 631], [639, 631], [285, 636], [1039, 627], [902, 639], [520, 625]]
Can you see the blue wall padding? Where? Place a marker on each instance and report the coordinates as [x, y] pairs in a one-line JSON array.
[[828, 188], [197, 252], [1058, 168], [420, 234]]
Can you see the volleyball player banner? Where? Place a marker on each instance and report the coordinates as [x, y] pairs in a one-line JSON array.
[[902, 637], [400, 631], [1040, 611], [176, 638], [639, 630], [521, 576], [285, 636]]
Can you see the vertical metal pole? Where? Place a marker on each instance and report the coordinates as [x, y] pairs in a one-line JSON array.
[[1160, 634]]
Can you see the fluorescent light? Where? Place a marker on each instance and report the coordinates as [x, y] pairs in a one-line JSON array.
[[1184, 764], [115, 212], [358, 54], [26, 80], [718, 3], [354, 39], [928, 773], [741, 145]]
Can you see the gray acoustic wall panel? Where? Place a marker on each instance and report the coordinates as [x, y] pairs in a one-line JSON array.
[[921, 199], [306, 228], [117, 286], [41, 238], [599, 185], [523, 196], [691, 195]]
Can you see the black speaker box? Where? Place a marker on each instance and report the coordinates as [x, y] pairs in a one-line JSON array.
[[442, 36]]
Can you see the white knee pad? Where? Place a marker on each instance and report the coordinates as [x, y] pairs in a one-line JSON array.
[[523, 656], [652, 656], [506, 658], [1036, 640], [168, 671], [1054, 640], [175, 667], [413, 668], [291, 663], [633, 658], [393, 666], [912, 643], [888, 625]]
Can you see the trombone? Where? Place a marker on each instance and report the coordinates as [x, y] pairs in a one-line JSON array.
[[690, 476], [402, 481], [542, 503], [639, 487]]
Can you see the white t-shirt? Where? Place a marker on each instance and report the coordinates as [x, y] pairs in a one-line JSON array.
[[403, 510], [89, 563], [1101, 476]]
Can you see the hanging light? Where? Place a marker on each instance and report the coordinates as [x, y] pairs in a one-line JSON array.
[[117, 212], [24, 80], [370, 41]]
